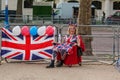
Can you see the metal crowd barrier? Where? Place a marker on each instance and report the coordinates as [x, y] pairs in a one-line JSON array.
[[108, 51], [111, 34]]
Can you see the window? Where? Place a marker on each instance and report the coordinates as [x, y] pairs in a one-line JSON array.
[[49, 0], [97, 4], [72, 1], [117, 13], [28, 3], [116, 5]]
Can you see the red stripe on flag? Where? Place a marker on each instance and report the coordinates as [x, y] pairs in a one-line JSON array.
[[27, 48], [50, 56], [38, 38], [13, 55], [41, 45]]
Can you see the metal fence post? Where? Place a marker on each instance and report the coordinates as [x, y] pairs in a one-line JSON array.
[[114, 38], [118, 42]]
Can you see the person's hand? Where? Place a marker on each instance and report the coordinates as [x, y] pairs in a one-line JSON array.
[[54, 42], [75, 44], [54, 49]]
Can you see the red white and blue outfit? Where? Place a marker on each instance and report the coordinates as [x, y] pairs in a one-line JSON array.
[[66, 46]]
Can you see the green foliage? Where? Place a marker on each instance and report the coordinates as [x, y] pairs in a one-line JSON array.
[[42, 11]]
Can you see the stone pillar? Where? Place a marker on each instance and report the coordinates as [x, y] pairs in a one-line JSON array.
[[38, 0], [107, 7], [0, 4], [61, 1]]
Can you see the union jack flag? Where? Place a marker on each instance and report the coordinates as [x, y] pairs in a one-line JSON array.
[[25, 47]]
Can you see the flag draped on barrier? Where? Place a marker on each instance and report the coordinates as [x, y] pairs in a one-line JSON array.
[[25, 47]]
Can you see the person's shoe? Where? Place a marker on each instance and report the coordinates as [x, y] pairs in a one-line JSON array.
[[60, 64], [51, 65], [80, 64], [57, 62], [70, 65]]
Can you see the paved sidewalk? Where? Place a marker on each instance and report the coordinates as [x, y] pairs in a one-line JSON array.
[[37, 71], [88, 71]]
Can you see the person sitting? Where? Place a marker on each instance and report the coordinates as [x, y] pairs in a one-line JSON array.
[[65, 48]]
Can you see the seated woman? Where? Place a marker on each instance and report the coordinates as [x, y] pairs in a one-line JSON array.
[[65, 48]]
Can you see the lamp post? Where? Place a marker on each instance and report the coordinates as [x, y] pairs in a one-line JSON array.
[[6, 23]]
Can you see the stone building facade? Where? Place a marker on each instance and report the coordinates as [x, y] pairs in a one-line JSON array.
[[108, 6]]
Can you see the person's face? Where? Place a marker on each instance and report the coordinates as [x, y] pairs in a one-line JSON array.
[[72, 30]]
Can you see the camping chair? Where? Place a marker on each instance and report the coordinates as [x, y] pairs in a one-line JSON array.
[[72, 58]]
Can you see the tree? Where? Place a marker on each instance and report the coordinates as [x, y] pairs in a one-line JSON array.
[[84, 18], [28, 3], [19, 11]]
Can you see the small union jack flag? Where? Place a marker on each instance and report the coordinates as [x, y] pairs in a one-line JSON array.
[[25, 47]]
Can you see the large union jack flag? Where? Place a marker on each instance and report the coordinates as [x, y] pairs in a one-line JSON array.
[[25, 47]]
